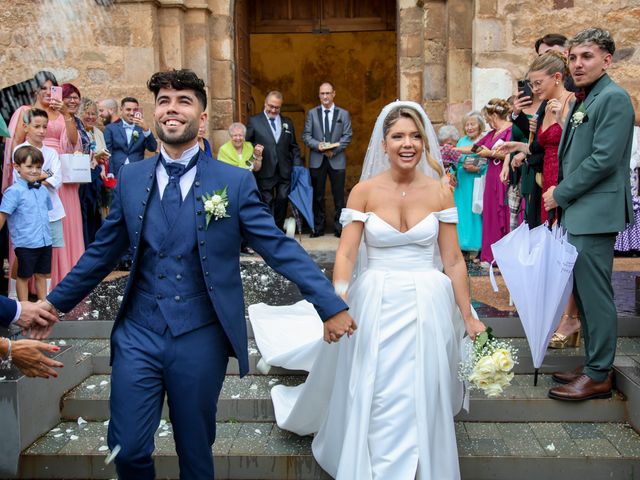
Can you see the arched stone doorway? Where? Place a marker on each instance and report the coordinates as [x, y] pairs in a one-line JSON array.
[[294, 46]]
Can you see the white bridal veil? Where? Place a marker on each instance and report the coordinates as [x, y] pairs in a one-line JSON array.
[[376, 160]]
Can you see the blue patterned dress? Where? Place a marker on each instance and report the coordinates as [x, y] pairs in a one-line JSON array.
[[469, 223]]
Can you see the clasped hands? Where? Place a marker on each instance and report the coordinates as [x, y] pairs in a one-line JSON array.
[[37, 319], [336, 326]]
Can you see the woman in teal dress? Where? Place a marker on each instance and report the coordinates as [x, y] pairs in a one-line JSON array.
[[469, 168]]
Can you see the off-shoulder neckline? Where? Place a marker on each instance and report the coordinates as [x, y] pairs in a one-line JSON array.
[[394, 228]]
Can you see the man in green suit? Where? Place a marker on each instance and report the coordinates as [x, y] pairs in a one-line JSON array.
[[595, 197]]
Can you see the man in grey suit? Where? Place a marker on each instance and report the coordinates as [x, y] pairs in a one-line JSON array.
[[595, 197], [325, 125]]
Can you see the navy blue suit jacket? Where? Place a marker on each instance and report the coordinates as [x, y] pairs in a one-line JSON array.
[[218, 245], [115, 138], [8, 309]]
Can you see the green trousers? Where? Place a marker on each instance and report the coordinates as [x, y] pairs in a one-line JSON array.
[[594, 295]]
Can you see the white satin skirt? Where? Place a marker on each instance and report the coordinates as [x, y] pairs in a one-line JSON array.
[[382, 401]]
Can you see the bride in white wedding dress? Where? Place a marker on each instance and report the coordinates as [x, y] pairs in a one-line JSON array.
[[382, 399]]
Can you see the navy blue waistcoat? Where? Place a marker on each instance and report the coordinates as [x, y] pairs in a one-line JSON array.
[[169, 289]]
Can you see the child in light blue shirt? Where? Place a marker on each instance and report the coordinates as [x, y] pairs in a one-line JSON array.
[[25, 207]]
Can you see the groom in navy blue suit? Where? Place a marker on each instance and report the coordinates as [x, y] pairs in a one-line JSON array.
[[128, 138], [182, 314]]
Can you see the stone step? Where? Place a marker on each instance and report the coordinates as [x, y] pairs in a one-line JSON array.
[[503, 326], [248, 400], [565, 359], [496, 451]]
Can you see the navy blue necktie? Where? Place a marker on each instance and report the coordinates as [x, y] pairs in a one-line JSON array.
[[172, 196], [273, 124], [327, 129]]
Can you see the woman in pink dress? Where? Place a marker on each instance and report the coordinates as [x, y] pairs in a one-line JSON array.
[[62, 135], [495, 209]]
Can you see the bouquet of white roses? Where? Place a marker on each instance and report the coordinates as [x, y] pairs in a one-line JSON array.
[[488, 364]]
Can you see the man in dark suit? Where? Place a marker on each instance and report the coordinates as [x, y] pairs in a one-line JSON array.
[[128, 138], [327, 124], [27, 355], [281, 153], [184, 216], [595, 195]]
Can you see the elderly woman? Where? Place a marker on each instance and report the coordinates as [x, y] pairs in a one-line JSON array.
[[90, 192], [469, 168], [239, 153]]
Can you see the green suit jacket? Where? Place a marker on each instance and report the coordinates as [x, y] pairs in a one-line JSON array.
[[593, 189]]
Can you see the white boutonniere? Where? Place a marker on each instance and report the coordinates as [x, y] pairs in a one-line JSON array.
[[215, 204], [579, 117], [135, 135], [285, 126]]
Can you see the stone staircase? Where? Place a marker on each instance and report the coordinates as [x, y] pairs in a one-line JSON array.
[[521, 435]]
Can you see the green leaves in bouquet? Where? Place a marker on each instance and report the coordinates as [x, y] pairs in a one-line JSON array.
[[483, 338]]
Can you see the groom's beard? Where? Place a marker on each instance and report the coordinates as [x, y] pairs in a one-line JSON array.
[[189, 134]]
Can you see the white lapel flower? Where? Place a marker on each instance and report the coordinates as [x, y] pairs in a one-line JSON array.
[[285, 126], [135, 135], [215, 205], [579, 117]]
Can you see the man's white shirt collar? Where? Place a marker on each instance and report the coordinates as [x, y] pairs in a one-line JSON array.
[[187, 155], [186, 180]]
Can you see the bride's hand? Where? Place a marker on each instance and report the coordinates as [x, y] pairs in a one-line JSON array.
[[338, 325], [474, 327]]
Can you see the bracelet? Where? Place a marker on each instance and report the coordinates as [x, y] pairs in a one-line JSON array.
[[6, 362], [341, 287]]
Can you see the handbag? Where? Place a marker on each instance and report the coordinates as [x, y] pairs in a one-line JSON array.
[[76, 168], [478, 194]]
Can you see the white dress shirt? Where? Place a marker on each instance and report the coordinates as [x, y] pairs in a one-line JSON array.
[[331, 109], [186, 180], [128, 131]]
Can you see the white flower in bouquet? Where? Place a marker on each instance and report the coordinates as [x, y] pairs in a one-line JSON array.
[[489, 364], [503, 360]]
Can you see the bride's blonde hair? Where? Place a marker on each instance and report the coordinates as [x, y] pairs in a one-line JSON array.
[[408, 112]]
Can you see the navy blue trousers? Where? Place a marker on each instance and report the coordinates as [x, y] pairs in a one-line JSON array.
[[190, 369]]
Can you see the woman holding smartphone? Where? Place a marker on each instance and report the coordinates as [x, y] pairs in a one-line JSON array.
[[62, 133], [546, 75], [62, 136]]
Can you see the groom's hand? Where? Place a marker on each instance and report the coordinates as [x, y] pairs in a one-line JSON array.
[[338, 325]]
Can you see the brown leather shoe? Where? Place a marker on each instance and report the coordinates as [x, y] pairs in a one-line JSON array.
[[567, 377], [582, 388]]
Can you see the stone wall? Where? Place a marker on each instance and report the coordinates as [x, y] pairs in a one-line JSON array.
[[504, 33], [451, 54]]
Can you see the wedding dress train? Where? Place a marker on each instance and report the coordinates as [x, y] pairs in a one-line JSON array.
[[383, 400]]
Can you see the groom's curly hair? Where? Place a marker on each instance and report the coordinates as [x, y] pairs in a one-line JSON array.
[[179, 80]]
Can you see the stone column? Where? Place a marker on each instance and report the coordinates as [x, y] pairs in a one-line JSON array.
[[221, 74], [171, 20], [410, 55], [435, 60], [460, 40]]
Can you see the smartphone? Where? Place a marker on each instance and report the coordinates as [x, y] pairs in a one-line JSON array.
[[56, 93], [137, 113], [525, 88], [475, 148]]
